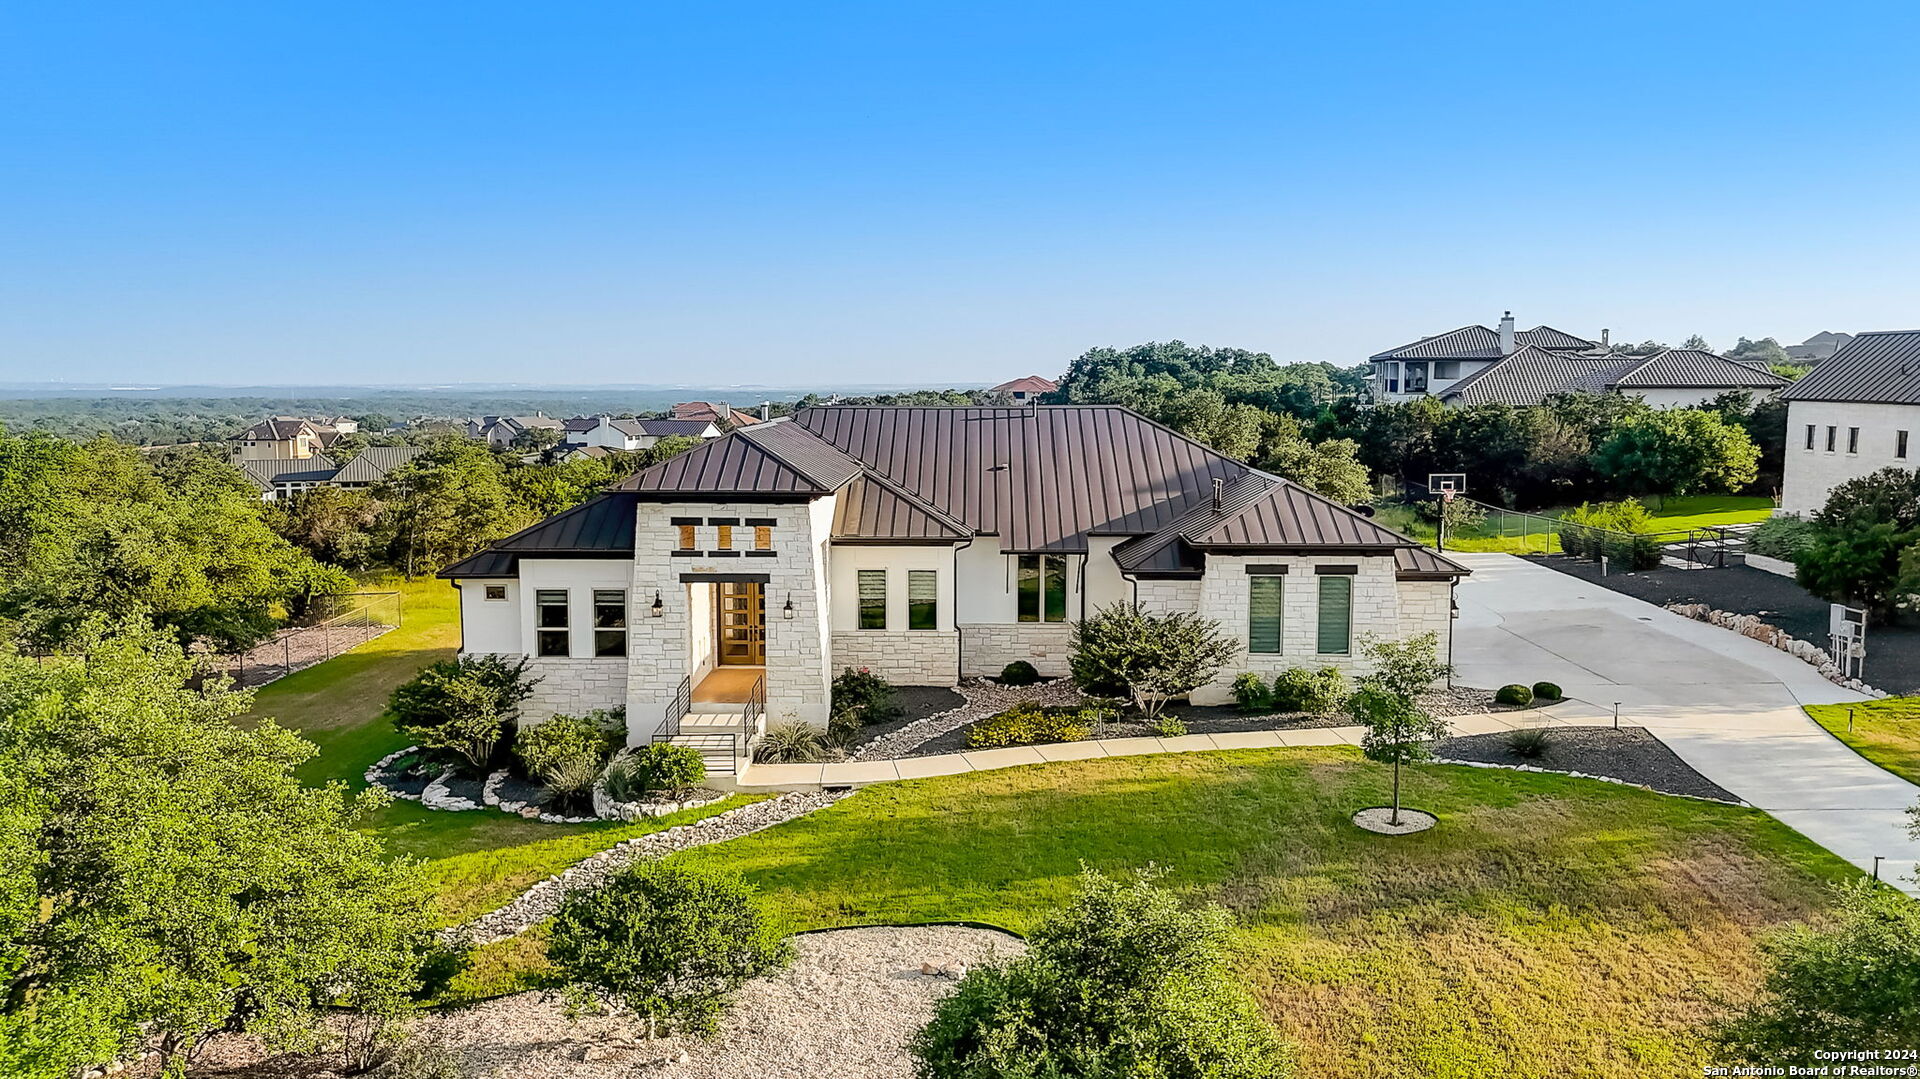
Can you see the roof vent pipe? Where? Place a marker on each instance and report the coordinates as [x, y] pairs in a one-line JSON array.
[[1218, 485], [1506, 334], [766, 411]]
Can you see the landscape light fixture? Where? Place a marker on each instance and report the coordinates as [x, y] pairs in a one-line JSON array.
[[658, 607], [786, 612]]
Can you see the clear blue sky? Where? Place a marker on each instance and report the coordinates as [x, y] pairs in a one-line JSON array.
[[794, 193]]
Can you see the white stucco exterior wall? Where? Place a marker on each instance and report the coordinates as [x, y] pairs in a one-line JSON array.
[[901, 655], [579, 682], [1684, 397], [1812, 474], [490, 625], [987, 613]]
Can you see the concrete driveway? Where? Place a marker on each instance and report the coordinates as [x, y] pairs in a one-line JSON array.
[[1728, 705]]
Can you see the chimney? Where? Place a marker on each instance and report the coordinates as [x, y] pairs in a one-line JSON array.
[[1506, 333], [1604, 343], [766, 411], [1218, 485]]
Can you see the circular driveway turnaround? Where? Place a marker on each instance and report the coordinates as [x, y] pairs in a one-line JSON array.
[[1727, 705]]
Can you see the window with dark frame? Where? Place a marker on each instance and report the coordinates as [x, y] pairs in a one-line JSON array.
[[1833, 434], [1334, 630], [1900, 444], [499, 591], [1853, 440], [609, 622], [873, 598], [923, 599], [550, 622], [1810, 436], [1265, 613], [1040, 581]]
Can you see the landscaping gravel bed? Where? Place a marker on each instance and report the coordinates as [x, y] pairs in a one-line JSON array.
[[916, 703], [1629, 754], [980, 698], [846, 1009]]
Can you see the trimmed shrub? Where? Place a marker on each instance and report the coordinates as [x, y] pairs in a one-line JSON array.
[[1124, 981], [667, 767], [464, 707], [1528, 742], [1514, 694], [1251, 693], [1298, 689], [667, 942], [793, 743], [1150, 658], [563, 740], [1782, 537], [1027, 723], [1546, 691], [864, 695], [1019, 673], [1618, 530]]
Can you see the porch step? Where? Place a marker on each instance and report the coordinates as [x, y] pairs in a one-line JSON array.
[[716, 750]]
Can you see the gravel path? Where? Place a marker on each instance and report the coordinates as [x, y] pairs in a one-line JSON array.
[[981, 698], [541, 901], [845, 1009]]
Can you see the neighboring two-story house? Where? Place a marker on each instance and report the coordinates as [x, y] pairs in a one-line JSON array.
[[1856, 412], [927, 544], [1474, 366], [633, 434]]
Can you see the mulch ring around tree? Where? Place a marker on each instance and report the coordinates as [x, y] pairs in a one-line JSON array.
[[1630, 754]]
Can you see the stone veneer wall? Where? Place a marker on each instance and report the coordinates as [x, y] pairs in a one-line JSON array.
[[574, 687], [987, 648], [906, 658], [1382, 605]]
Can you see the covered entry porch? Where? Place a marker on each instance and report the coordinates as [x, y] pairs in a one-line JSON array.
[[721, 706]]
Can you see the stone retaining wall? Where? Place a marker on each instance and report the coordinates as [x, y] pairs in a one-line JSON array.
[[1773, 636]]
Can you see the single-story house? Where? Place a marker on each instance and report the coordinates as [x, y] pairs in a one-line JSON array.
[[502, 430], [632, 434], [733, 581], [280, 478], [1023, 390], [1856, 412]]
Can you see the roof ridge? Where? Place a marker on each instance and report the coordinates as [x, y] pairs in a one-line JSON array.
[[785, 463]]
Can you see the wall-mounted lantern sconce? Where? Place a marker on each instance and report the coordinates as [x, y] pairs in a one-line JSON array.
[[787, 611], [658, 607]]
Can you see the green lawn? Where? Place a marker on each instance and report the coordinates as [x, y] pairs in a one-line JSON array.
[[1685, 512], [1517, 534], [480, 859], [1549, 927], [1886, 731]]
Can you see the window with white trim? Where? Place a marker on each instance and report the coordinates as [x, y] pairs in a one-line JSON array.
[[551, 636], [609, 622]]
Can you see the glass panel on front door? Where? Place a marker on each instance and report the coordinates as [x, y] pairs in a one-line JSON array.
[[743, 627]]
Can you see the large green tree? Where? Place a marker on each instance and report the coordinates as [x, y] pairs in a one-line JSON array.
[[163, 873], [1677, 451], [98, 527], [1859, 547], [447, 502]]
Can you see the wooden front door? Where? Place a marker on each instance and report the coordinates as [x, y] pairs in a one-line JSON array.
[[743, 627]]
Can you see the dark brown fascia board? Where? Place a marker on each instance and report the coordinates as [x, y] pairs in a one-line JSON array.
[[1431, 576], [1330, 551], [883, 541], [727, 496]]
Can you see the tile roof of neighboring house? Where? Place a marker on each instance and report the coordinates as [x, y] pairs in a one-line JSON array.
[[1529, 376], [372, 464], [580, 425], [1479, 343], [265, 474], [1029, 384], [277, 429], [1880, 367], [1038, 478], [599, 527], [707, 410], [589, 451], [1689, 368]]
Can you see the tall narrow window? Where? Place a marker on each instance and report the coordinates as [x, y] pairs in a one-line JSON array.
[[689, 539], [1853, 440], [723, 537], [873, 599], [762, 538], [550, 621], [1900, 444], [923, 599], [1264, 615], [1041, 581], [1832, 433], [1335, 615], [1809, 436], [609, 622]]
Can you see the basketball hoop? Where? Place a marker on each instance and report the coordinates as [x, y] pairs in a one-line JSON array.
[[1448, 494]]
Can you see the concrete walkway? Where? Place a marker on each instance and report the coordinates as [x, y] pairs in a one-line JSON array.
[[800, 777], [1728, 705]]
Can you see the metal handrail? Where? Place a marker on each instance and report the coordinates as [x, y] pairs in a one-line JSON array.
[[677, 709], [751, 714]]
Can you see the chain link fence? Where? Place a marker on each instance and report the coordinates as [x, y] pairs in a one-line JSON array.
[[338, 623]]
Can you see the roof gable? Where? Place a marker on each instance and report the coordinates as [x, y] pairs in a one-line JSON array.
[[1549, 338], [875, 508], [766, 460], [1879, 367], [1694, 368], [373, 463], [1531, 375], [1466, 343]]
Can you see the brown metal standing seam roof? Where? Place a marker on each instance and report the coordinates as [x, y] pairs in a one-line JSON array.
[[1877, 368]]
